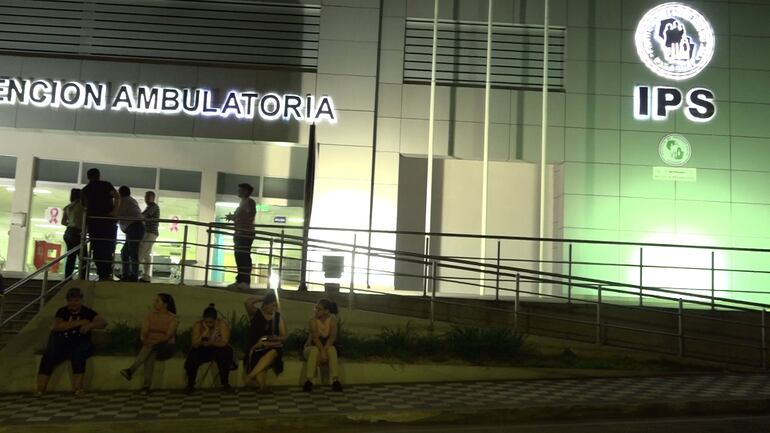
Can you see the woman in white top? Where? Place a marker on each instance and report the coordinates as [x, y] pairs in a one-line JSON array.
[[320, 346]]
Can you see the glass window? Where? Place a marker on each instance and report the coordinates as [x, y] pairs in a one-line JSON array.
[[167, 251], [45, 221], [6, 197]]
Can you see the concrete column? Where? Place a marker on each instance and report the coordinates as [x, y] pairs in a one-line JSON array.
[[206, 212], [20, 208]]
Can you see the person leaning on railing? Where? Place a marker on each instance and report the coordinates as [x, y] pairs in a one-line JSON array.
[[70, 339], [158, 338], [243, 237], [101, 202], [210, 342], [73, 219], [130, 223]]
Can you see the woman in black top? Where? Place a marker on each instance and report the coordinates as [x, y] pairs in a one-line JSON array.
[[266, 337]]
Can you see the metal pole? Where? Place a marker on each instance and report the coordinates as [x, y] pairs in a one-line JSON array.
[[352, 271], [569, 275], [712, 280], [431, 119], [43, 289], [81, 262], [516, 304], [764, 341], [543, 142], [184, 256], [497, 273], [641, 273], [208, 258], [270, 265], [432, 292], [426, 267], [680, 317], [599, 315], [485, 158], [280, 261]]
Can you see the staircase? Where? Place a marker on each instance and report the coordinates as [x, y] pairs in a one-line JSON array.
[[23, 296]]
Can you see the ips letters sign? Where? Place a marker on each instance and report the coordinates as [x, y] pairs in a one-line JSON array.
[[75, 95], [675, 42]]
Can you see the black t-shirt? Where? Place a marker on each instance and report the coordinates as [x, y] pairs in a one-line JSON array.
[[74, 335], [97, 198]]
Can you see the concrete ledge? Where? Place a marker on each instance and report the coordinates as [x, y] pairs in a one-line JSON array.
[[102, 374]]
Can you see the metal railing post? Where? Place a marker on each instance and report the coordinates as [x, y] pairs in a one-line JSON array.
[[516, 303], [641, 275], [680, 317], [184, 256], [81, 262], [569, 275], [764, 340], [280, 261], [43, 289], [599, 339], [712, 280], [270, 265], [432, 292], [208, 258], [426, 266], [351, 293], [497, 273]]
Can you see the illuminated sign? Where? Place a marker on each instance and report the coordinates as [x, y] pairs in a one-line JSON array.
[[656, 102], [675, 41], [75, 95], [674, 150]]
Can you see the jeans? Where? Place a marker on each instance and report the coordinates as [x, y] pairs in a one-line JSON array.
[[242, 242], [103, 234], [201, 355], [72, 239], [145, 248], [130, 252], [60, 350]]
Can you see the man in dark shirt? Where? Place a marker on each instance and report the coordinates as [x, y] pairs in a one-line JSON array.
[[101, 200], [70, 339]]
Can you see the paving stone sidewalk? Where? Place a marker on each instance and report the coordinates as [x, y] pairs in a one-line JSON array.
[[128, 406]]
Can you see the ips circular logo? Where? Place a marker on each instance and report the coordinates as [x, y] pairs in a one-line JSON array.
[[675, 41], [675, 150]]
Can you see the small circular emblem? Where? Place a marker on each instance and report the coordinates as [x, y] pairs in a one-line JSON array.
[[675, 41], [675, 150]]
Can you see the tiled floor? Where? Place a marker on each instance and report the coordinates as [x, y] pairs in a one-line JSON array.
[[20, 409]]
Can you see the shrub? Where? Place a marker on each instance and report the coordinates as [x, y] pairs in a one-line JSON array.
[[120, 338]]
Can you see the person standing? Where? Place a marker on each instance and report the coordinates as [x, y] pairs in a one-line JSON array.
[[73, 220], [151, 216], [101, 202], [70, 339], [132, 225], [243, 237]]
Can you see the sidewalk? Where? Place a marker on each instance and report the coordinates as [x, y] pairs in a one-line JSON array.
[[379, 402]]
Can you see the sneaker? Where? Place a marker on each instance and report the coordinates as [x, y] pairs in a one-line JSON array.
[[308, 386], [336, 386], [144, 280], [38, 394], [243, 286], [79, 392], [145, 390], [234, 285], [127, 374]]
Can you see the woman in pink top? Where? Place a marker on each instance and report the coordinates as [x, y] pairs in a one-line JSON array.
[[158, 334]]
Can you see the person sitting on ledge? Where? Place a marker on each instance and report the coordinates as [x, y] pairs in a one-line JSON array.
[[70, 338], [210, 342], [158, 337], [266, 336], [320, 348]]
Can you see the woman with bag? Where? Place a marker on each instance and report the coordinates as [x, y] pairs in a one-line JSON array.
[[266, 336], [158, 339]]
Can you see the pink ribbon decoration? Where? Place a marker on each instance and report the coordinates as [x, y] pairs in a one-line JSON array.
[[53, 215], [174, 225]]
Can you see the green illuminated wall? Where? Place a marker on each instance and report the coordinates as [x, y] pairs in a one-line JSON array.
[[608, 189]]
